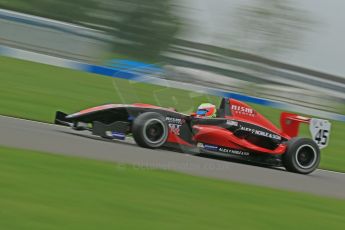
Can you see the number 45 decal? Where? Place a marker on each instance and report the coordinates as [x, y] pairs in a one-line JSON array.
[[320, 131]]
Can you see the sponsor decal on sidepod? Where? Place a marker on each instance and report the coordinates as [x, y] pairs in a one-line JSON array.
[[222, 149]]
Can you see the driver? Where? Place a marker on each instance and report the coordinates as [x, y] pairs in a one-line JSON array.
[[206, 110]]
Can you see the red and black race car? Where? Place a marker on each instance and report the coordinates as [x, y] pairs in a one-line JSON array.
[[238, 131]]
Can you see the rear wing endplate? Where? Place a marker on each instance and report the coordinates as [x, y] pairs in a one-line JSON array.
[[319, 129]]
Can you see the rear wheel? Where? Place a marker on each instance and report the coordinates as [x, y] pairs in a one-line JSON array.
[[150, 130], [302, 156]]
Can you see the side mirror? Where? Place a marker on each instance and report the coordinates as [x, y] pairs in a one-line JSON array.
[[193, 114]]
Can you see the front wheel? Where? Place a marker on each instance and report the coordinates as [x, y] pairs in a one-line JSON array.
[[150, 130], [302, 156]]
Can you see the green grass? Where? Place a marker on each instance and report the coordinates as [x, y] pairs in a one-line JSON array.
[[35, 91], [43, 191]]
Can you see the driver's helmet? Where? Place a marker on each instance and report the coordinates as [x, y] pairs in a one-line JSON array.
[[206, 110]]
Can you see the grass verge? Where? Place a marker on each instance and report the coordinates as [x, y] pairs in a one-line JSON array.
[[35, 91], [43, 191]]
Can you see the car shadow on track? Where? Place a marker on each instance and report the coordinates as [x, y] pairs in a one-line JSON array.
[[233, 160], [175, 150]]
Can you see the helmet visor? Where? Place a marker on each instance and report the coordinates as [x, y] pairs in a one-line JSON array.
[[201, 111]]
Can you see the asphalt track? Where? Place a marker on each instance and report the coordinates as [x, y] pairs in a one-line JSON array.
[[62, 140]]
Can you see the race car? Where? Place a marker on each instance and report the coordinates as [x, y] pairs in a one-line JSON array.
[[237, 131]]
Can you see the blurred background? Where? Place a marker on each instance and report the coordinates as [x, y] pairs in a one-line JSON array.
[[285, 50], [273, 54]]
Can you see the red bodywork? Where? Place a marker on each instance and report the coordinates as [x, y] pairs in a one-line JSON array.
[[240, 111], [236, 112]]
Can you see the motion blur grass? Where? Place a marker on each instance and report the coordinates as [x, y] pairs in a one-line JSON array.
[[35, 91], [43, 191]]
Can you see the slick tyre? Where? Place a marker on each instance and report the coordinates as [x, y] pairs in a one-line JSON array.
[[302, 156], [150, 130]]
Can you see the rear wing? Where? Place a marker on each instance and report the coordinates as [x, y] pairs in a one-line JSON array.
[[319, 129]]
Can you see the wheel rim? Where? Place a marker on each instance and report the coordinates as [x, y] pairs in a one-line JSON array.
[[154, 131], [306, 156]]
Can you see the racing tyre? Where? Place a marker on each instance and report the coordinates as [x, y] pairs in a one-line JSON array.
[[150, 130], [302, 156]]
